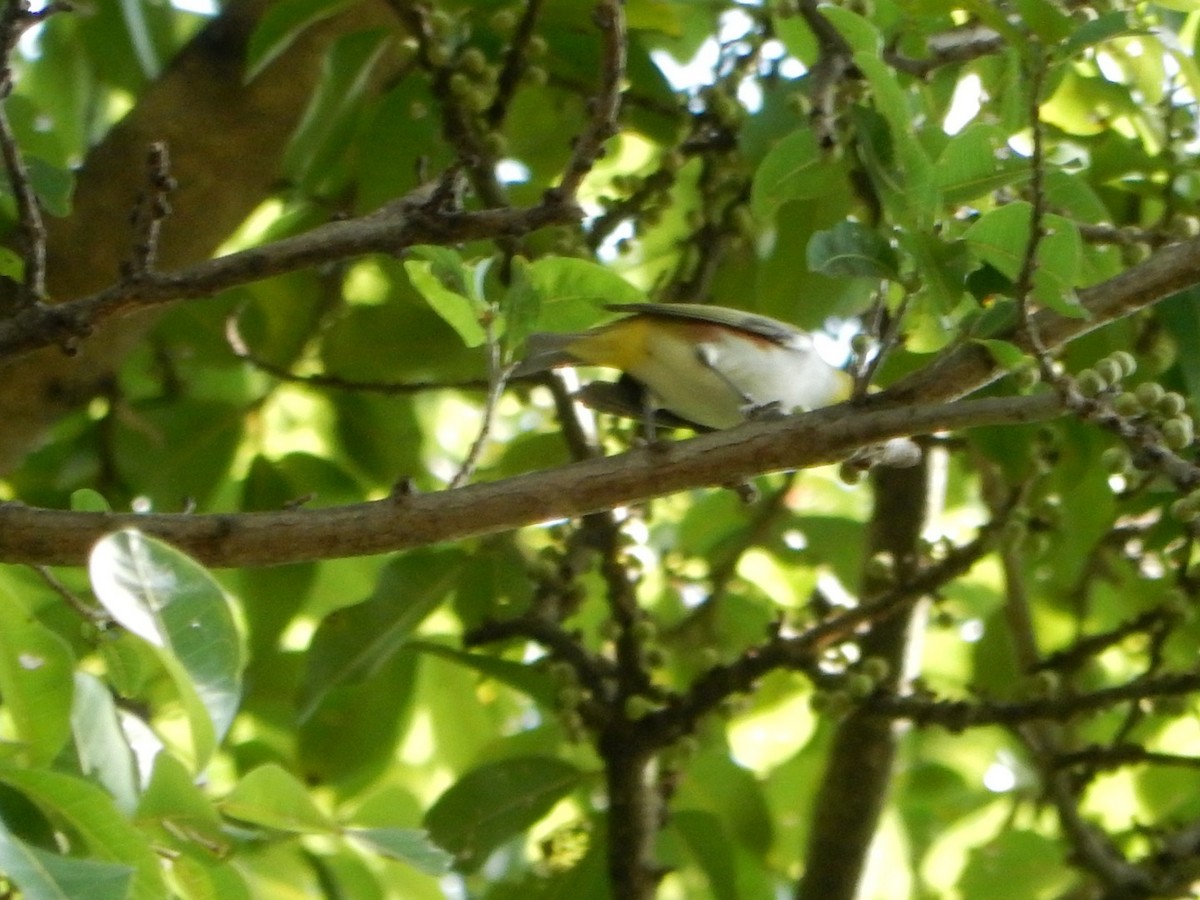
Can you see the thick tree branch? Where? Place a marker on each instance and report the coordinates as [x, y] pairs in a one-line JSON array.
[[54, 537], [961, 371], [414, 219], [855, 785]]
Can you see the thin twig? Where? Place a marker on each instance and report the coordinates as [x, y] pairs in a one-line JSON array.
[[153, 207], [606, 105], [498, 376], [91, 614]]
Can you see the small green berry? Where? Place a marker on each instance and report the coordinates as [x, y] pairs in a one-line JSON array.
[[1090, 382], [1171, 404], [441, 22], [645, 630], [1185, 509], [537, 76], [537, 47], [860, 686], [439, 55], [504, 20], [876, 667], [1126, 361], [496, 143], [1110, 370], [1149, 393], [1015, 532], [1115, 460], [638, 707], [1179, 432], [850, 473], [1126, 403], [472, 61]]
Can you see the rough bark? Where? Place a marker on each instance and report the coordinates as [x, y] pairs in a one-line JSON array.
[[226, 141]]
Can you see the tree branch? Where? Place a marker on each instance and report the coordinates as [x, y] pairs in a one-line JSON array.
[[55, 537]]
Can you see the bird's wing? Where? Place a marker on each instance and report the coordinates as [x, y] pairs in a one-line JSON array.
[[751, 323]]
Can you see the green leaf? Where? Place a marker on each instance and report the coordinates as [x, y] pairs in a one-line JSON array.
[[272, 797], [182, 812], [1045, 20], [54, 186], [1001, 238], [350, 738], [140, 37], [88, 500], [103, 750], [943, 266], [171, 601], [518, 676], [88, 812], [35, 681], [47, 876], [327, 129], [351, 644], [851, 250], [574, 292], [792, 170], [408, 845], [1006, 353], [177, 450], [860, 33], [1097, 31], [11, 264], [280, 25], [495, 802], [460, 311], [975, 163], [711, 848]]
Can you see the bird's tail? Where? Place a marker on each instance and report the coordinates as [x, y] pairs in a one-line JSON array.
[[546, 350]]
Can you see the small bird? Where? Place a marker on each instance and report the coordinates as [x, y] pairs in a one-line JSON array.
[[705, 367]]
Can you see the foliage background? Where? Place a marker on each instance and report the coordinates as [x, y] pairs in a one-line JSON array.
[[971, 678]]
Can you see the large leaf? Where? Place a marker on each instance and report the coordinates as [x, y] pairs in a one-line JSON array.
[[86, 811], [574, 292], [460, 311], [1001, 239], [47, 876], [103, 749], [792, 170], [495, 802], [35, 681], [171, 601], [280, 25], [351, 644], [409, 845], [851, 249], [272, 797]]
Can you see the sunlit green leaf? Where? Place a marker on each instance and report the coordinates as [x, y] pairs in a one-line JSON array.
[[171, 602], [495, 802], [35, 681], [352, 643], [271, 797], [89, 813], [40, 875], [792, 170], [280, 25], [409, 845]]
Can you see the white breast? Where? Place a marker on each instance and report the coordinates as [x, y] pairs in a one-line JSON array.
[[683, 378]]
